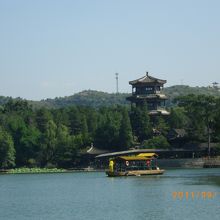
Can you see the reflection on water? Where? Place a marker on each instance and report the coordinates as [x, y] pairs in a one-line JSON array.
[[94, 196]]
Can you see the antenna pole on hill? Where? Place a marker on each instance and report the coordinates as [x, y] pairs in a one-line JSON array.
[[116, 77]]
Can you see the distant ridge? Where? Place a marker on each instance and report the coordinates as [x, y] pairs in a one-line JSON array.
[[88, 98], [98, 99]]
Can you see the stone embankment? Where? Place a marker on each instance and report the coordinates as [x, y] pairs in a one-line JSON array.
[[212, 162], [190, 163]]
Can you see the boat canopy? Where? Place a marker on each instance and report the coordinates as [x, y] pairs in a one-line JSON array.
[[129, 158], [147, 155]]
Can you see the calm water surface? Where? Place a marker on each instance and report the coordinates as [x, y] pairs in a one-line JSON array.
[[94, 196]]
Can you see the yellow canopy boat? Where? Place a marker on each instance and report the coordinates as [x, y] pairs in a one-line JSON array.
[[138, 165]]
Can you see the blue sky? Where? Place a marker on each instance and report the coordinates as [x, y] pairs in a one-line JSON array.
[[51, 48]]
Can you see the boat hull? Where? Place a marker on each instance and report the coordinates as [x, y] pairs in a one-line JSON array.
[[135, 173]]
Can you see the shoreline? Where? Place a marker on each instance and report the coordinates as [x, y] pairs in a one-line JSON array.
[[23, 170], [164, 163]]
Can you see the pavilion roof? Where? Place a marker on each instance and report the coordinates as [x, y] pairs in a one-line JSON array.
[[147, 79]]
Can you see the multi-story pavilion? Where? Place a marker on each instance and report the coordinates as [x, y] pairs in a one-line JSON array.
[[149, 90]]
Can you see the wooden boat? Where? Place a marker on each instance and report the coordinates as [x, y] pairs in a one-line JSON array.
[[138, 165]]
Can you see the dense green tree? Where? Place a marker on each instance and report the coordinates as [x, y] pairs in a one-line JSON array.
[[201, 111], [125, 132], [43, 116], [17, 128], [75, 121], [17, 105], [161, 125], [29, 145], [48, 143], [157, 142], [107, 132], [84, 129], [7, 151], [60, 116], [216, 122], [65, 148], [196, 126], [140, 121], [177, 118], [92, 120]]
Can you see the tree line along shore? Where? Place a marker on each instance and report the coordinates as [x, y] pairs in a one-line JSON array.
[[53, 138]]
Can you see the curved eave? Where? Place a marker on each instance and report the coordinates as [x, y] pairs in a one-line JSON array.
[[133, 83]]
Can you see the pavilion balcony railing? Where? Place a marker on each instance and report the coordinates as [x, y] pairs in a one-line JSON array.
[[146, 92]]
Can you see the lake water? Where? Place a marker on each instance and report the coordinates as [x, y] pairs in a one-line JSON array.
[[178, 194]]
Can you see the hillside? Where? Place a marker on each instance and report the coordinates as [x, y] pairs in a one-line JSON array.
[[87, 98], [181, 90], [97, 99]]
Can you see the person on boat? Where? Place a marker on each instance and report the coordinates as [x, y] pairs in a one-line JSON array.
[[111, 166]]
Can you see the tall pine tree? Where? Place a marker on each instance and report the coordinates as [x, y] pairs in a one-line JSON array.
[[7, 151], [125, 132]]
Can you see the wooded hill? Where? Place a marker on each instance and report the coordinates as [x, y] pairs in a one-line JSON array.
[[98, 99]]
